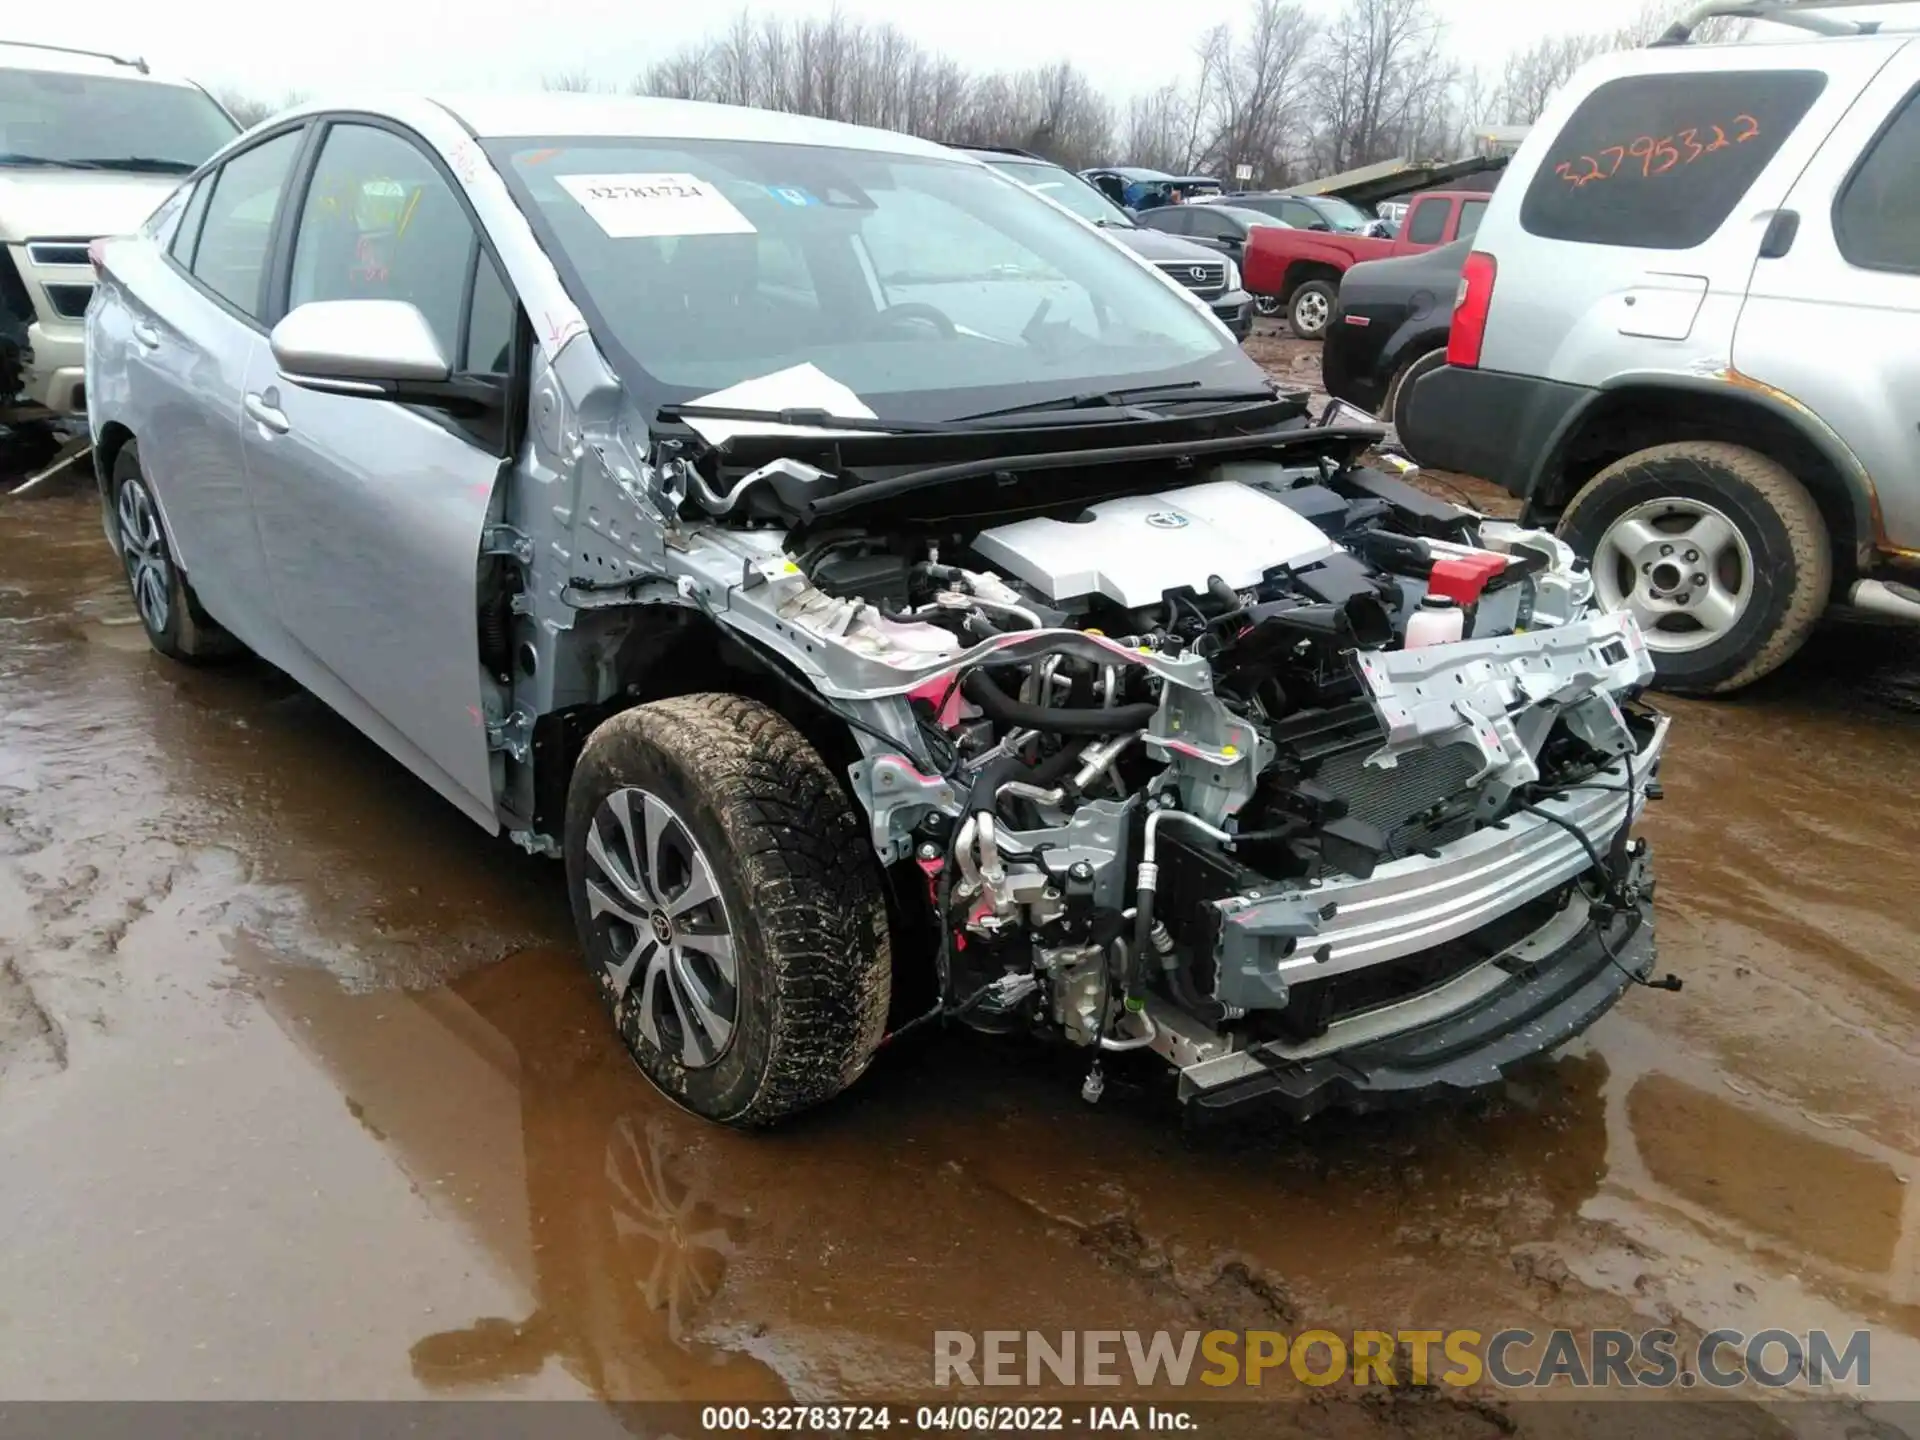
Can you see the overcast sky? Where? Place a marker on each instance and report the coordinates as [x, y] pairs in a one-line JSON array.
[[270, 48]]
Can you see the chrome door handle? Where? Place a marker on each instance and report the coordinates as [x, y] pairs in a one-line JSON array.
[[270, 417], [146, 335]]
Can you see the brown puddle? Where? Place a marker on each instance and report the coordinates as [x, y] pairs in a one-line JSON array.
[[302, 1092]]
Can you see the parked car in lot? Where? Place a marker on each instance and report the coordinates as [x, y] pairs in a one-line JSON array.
[[1686, 335], [1232, 233], [89, 144], [1390, 328], [1211, 278], [1329, 236], [845, 560]]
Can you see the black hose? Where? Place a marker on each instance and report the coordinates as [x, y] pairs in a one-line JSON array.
[[980, 689]]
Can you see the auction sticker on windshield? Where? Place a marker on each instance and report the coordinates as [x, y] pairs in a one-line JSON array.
[[629, 207]]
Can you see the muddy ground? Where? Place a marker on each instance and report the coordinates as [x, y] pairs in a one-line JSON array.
[[303, 1094]]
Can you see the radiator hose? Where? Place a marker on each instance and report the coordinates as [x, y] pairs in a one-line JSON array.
[[1052, 719]]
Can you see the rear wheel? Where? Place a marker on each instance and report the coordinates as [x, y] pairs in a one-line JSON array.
[[1400, 393], [1716, 550], [1311, 308], [175, 623], [1268, 305], [729, 905]]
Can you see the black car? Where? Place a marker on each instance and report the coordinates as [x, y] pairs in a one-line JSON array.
[[1215, 281], [1390, 327], [1312, 212]]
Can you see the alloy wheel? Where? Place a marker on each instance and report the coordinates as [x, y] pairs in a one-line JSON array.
[[1680, 567], [144, 549], [668, 947]]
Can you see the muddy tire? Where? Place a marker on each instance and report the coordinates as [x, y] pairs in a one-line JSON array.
[[1311, 308], [1719, 552], [171, 614], [729, 903], [1394, 408]]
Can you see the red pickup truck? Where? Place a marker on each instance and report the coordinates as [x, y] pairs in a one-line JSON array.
[[1300, 266]]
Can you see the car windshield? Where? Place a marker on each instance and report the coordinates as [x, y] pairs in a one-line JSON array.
[[102, 121], [1341, 214], [1064, 188], [930, 288]]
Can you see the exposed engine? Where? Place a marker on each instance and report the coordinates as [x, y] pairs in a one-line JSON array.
[[1169, 728]]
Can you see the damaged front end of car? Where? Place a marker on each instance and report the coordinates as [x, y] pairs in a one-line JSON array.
[[1162, 733]]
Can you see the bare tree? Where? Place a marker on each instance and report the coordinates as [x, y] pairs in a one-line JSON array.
[[250, 110], [1159, 130], [1380, 83], [1254, 104], [842, 68]]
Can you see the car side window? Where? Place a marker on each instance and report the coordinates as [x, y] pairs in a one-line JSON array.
[[187, 233], [1203, 220], [1659, 162], [1299, 215], [1428, 223], [1472, 212], [1174, 219], [1877, 218], [489, 321], [381, 222], [231, 256]]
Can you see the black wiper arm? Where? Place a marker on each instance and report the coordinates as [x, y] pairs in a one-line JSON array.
[[800, 416], [47, 162], [1188, 390], [148, 163]]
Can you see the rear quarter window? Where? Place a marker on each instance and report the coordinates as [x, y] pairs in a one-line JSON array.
[[1877, 218], [1659, 162]]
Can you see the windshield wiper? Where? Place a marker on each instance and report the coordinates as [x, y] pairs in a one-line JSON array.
[[146, 164], [46, 162], [802, 417], [1191, 391]]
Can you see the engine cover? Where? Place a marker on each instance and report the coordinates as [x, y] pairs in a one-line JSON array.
[[1134, 550]]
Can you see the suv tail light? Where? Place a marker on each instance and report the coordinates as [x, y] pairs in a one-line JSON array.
[[96, 256], [1470, 306]]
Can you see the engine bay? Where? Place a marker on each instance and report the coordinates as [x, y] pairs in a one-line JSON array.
[[1144, 747]]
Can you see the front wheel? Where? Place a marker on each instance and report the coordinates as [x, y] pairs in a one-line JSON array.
[[1400, 393], [729, 905], [1311, 309], [1718, 552], [1268, 305]]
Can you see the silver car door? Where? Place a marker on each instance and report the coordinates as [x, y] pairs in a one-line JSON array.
[[191, 336], [1839, 277], [372, 511]]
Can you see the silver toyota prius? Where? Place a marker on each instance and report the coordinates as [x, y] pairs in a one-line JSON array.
[[894, 601]]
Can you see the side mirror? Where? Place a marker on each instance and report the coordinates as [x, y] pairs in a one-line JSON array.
[[378, 349], [358, 347], [1319, 225]]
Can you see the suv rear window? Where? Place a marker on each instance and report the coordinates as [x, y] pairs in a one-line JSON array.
[[1658, 162]]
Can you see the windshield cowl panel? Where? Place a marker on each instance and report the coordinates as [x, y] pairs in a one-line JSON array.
[[923, 288]]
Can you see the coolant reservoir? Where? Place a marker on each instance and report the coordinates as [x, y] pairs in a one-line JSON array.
[[1438, 621]]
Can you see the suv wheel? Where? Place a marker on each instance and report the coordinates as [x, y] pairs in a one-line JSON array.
[[1717, 551], [729, 905], [1268, 305], [1311, 308], [170, 613]]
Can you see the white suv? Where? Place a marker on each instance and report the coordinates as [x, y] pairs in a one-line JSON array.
[[89, 145], [1688, 335]]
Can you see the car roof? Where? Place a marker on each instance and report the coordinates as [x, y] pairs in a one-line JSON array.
[[560, 113], [65, 60]]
